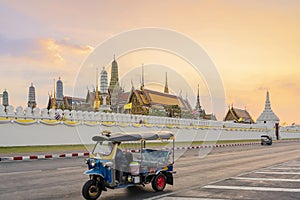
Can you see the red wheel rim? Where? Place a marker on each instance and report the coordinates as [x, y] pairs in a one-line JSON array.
[[160, 181]]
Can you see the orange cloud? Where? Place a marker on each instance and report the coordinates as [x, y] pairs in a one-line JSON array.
[[55, 50]]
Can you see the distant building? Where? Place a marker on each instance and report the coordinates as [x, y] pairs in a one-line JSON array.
[[59, 92], [268, 116], [123, 99], [199, 112], [149, 102], [238, 115], [114, 79], [114, 89], [210, 117], [90, 97], [5, 98], [75, 103], [70, 103], [59, 101], [104, 95], [31, 97], [100, 99], [144, 100], [112, 98]]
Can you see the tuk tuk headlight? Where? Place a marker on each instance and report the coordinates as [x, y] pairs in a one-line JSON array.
[[92, 163]]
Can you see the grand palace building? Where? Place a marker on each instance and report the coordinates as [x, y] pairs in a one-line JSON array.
[[111, 97]]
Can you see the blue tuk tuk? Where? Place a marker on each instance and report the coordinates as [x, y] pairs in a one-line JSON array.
[[111, 167]]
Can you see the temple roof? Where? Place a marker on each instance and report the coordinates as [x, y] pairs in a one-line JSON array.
[[268, 114], [147, 97], [210, 117], [238, 115], [123, 98]]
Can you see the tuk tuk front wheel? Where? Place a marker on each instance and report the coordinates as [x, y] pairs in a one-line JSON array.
[[90, 190], [159, 182]]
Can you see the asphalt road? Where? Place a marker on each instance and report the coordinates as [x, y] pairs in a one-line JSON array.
[[243, 172]]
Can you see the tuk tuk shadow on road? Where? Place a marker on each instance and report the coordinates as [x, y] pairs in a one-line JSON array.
[[140, 192], [134, 193]]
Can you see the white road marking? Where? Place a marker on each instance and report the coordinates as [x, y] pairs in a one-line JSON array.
[[167, 196], [284, 173], [266, 179], [286, 168], [266, 189], [292, 165], [21, 172], [68, 168]]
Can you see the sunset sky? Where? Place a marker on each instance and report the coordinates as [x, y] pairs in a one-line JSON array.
[[255, 46]]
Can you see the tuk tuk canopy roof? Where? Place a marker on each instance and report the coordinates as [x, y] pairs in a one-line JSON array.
[[120, 137]]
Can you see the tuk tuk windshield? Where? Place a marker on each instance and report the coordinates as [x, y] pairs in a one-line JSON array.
[[103, 148]]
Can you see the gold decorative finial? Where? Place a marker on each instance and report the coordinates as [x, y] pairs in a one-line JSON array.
[[166, 84]]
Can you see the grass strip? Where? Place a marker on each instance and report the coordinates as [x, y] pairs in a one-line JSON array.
[[47, 148]]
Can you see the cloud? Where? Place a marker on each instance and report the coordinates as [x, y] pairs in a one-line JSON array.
[[45, 49], [80, 49]]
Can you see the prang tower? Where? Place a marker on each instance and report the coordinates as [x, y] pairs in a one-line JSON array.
[[114, 79], [31, 97], [59, 93], [114, 88]]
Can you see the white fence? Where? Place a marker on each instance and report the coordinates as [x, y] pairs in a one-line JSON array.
[[36, 113], [19, 127]]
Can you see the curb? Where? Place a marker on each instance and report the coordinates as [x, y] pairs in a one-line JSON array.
[[43, 157], [85, 154]]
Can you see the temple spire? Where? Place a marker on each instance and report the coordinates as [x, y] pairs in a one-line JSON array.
[[268, 115], [97, 100], [198, 105], [268, 104], [114, 78], [166, 84], [132, 86], [142, 78]]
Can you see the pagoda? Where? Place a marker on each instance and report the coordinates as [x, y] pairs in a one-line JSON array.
[[268, 116]]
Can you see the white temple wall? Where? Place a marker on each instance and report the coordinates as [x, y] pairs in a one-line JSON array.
[[23, 127]]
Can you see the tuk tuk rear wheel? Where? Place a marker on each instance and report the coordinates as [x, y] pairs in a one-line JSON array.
[[90, 190], [159, 182]]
